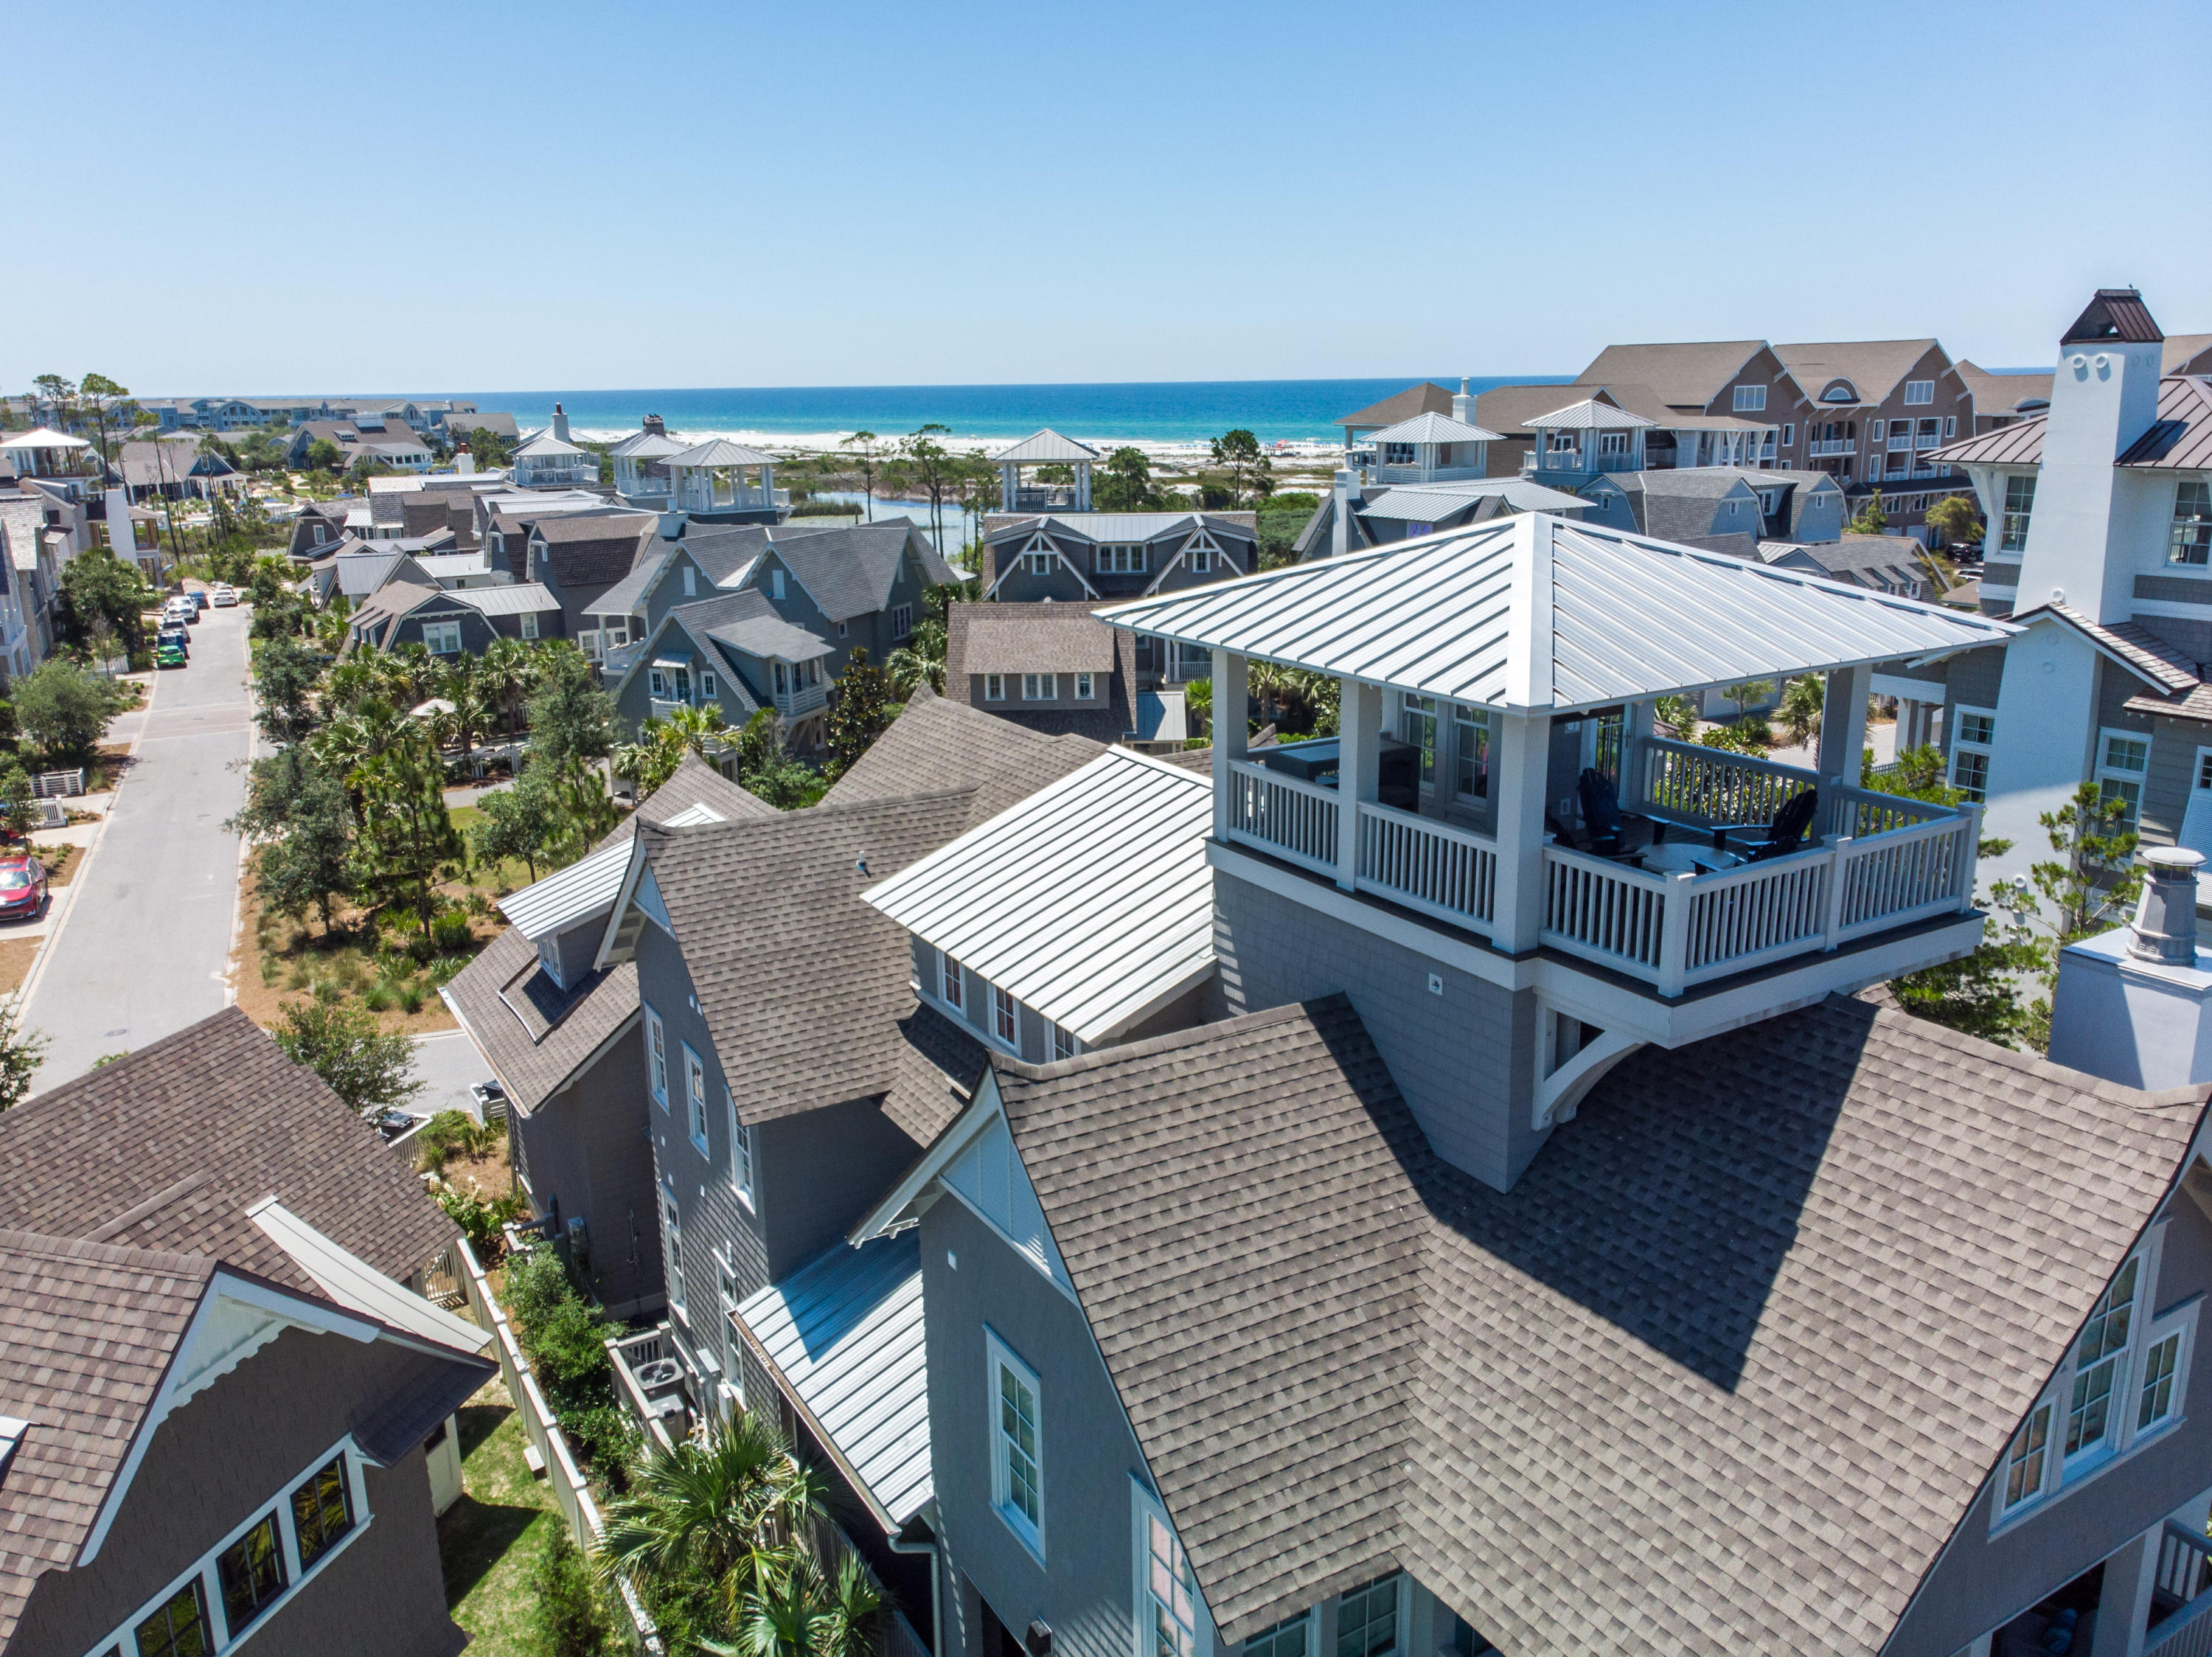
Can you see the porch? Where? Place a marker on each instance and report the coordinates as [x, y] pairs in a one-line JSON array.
[[1691, 896]]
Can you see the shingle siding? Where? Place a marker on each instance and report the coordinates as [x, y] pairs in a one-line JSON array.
[[1464, 1060]]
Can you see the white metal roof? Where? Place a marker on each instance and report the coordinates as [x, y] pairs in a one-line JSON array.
[[722, 452], [843, 1335], [358, 1286], [1431, 429], [512, 598], [1533, 611], [545, 443], [1590, 415], [1110, 526], [1045, 446], [1091, 902], [44, 437], [1426, 502], [575, 894], [694, 817], [645, 446]]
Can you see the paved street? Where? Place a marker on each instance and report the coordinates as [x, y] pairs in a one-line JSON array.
[[447, 1063], [142, 950]]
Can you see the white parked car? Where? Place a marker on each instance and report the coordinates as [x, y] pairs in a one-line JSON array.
[[222, 597]]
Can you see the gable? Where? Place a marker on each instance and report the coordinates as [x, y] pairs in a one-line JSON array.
[[988, 1177]]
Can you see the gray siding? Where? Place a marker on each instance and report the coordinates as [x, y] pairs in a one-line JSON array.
[[1465, 1060], [235, 1451], [1982, 1580], [820, 1171], [1972, 678], [2172, 774], [1088, 1461], [584, 1151]]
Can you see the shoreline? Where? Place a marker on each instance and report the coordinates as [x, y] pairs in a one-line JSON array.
[[1289, 451]]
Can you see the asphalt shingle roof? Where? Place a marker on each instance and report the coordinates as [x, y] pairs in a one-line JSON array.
[[848, 572], [1721, 1373]]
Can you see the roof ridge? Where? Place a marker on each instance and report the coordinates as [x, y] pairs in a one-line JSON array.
[[43, 1245], [1198, 1035]]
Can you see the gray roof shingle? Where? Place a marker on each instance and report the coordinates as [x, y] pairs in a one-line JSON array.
[[848, 572], [1721, 1372]]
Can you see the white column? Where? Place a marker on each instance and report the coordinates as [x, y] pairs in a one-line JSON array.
[[1082, 485], [1358, 769], [1009, 476], [1519, 753], [1228, 691], [1842, 725]]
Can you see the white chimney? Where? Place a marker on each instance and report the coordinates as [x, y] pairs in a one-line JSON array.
[[2104, 396], [1340, 532], [121, 534], [560, 423], [464, 462], [2134, 1005], [1464, 404]]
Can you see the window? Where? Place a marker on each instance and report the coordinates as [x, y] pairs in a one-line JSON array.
[[1972, 741], [1398, 455], [1750, 400], [783, 680], [529, 624], [656, 682], [251, 1572], [1950, 425], [2019, 504], [2096, 1361], [1789, 434], [1413, 530], [951, 978], [995, 687], [1367, 1619], [1005, 1022], [741, 1151], [1285, 1639], [705, 683], [1873, 431], [1039, 687], [1417, 724], [775, 583], [1201, 562], [1471, 752], [322, 1510], [1171, 1601], [180, 1629], [1039, 562], [902, 621], [2190, 539], [1082, 687], [656, 1057], [1120, 560], [842, 627], [2120, 773], [2159, 1363], [1614, 443], [690, 581], [2024, 1461], [1064, 1044], [695, 1095], [442, 638], [1016, 1446], [671, 1228], [1919, 393]]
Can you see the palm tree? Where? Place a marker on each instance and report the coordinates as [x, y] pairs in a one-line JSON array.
[[920, 660], [370, 729], [1268, 682], [462, 684], [702, 730], [350, 683], [794, 1613], [735, 1509], [1803, 702], [509, 674]]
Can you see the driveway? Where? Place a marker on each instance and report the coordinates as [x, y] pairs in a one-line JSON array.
[[445, 1063], [141, 951]]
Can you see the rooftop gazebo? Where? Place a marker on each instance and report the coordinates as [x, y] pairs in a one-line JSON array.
[[719, 481], [1586, 438], [45, 452], [1499, 772], [1431, 449], [1045, 448]]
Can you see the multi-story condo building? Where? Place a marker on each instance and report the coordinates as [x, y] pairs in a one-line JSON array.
[[2099, 552], [1874, 412]]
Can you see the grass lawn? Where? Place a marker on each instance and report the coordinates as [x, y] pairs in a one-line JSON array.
[[491, 1537], [511, 875]]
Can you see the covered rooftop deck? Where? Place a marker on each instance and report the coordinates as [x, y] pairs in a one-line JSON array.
[[1505, 776]]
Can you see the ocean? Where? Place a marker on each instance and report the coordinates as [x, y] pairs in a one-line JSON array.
[[1161, 412]]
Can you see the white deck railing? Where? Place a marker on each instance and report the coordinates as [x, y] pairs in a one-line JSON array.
[[1427, 865], [1715, 785], [1606, 912], [2185, 1573], [1278, 814]]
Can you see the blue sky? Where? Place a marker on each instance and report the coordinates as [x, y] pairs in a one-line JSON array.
[[278, 198]]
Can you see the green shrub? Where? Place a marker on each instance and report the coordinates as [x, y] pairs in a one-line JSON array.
[[481, 1219], [378, 998], [564, 1339], [442, 970], [411, 997], [564, 1603], [445, 1136], [450, 934], [605, 1436], [329, 992]]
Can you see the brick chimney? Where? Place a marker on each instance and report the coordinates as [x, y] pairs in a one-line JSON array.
[[655, 426]]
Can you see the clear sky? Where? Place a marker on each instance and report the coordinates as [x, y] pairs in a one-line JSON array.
[[279, 198]]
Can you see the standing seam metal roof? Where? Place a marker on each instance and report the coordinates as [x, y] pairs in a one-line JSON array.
[[1090, 901], [1537, 612], [1045, 446]]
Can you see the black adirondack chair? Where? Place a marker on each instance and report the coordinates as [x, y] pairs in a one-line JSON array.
[[1755, 843], [1602, 815]]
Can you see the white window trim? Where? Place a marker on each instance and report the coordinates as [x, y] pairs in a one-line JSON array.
[[1082, 687], [1919, 393], [695, 1100], [123, 1638], [2062, 1478], [1013, 1010], [1065, 1043], [1749, 399], [656, 1057], [1144, 1508], [995, 687], [1956, 717], [672, 1248], [2106, 736], [742, 1172], [1047, 687], [1400, 1610], [948, 970], [997, 1352]]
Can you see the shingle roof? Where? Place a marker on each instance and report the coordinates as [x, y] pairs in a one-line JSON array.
[[1685, 374], [91, 1329], [2181, 350], [2150, 657], [167, 1148], [534, 1037], [593, 549], [1723, 1372], [1427, 398], [937, 740], [1873, 366], [746, 621], [2003, 394], [848, 572], [1694, 482], [1028, 638]]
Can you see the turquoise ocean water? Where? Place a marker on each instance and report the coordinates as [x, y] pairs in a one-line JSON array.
[[1166, 411]]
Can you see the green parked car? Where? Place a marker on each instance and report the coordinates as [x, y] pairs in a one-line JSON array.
[[169, 655]]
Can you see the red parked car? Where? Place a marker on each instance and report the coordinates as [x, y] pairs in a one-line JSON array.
[[22, 886]]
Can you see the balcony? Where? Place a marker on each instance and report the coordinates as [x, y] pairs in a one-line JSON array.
[[1678, 913], [797, 703], [1830, 448]]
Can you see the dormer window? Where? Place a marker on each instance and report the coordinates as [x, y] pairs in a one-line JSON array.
[[949, 982], [1006, 1022]]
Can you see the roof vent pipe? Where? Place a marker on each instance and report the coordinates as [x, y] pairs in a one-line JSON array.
[[2165, 926]]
